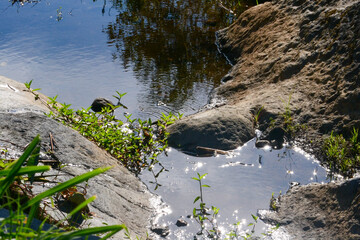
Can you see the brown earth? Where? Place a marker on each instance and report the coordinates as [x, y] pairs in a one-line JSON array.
[[307, 52], [318, 211]]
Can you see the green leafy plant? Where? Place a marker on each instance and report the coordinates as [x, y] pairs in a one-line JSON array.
[[135, 143], [256, 117], [274, 202], [343, 155], [203, 213], [33, 91], [59, 14], [24, 208], [288, 124]]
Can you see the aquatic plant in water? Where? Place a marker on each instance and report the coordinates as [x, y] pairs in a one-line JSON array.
[[206, 217]]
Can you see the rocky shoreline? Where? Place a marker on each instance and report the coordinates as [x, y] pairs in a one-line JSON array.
[[301, 53], [286, 54], [294, 57], [121, 197]]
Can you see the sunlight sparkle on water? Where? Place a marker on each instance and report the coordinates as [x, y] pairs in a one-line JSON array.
[[160, 207], [197, 166], [302, 152], [232, 164], [267, 147]]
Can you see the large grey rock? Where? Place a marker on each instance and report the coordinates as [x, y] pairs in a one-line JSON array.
[[121, 197], [223, 128]]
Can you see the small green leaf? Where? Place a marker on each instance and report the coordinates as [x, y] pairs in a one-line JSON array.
[[202, 176], [196, 199]]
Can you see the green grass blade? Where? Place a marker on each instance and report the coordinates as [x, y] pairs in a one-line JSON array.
[[31, 215], [64, 185], [26, 170], [16, 167], [92, 231], [109, 235]]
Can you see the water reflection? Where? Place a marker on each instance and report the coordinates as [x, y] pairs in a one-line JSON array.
[[239, 188], [169, 45]]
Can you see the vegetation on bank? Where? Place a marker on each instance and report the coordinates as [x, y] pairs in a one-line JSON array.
[[343, 155], [134, 142]]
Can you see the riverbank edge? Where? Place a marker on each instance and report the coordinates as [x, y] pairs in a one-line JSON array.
[[122, 198]]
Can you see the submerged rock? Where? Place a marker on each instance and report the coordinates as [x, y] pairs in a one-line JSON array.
[[181, 223], [162, 231]]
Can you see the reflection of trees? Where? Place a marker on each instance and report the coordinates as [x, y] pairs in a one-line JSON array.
[[168, 44]]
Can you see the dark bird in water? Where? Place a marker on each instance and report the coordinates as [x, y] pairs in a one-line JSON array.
[[101, 103]]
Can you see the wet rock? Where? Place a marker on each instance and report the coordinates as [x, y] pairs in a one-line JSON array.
[[276, 135], [181, 223], [226, 78], [162, 231], [100, 103], [294, 184], [319, 211]]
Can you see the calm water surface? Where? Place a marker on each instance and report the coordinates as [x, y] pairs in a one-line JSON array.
[[159, 53], [162, 53], [240, 184]]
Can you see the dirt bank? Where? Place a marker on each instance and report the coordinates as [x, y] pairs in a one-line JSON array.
[[306, 51]]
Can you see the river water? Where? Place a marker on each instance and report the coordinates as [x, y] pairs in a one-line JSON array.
[[163, 54]]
